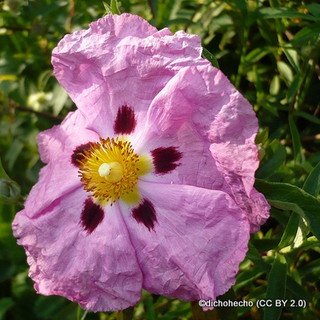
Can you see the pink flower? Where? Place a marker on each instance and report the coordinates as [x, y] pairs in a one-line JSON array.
[[149, 184]]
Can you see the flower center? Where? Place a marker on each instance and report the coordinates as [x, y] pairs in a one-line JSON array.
[[109, 170]]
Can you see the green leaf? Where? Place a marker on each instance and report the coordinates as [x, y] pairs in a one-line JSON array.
[[247, 276], [311, 268], [311, 186], [306, 34], [210, 57], [275, 85], [297, 147], [294, 87], [256, 54], [274, 13], [3, 173], [275, 161], [312, 183], [113, 8], [314, 9], [288, 197], [285, 72], [13, 152], [298, 290], [60, 96], [276, 287], [290, 231], [5, 305], [9, 189], [253, 253], [262, 136], [307, 116], [293, 58]]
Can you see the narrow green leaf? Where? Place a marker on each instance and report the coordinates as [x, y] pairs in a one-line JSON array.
[[310, 243], [294, 87], [288, 197], [149, 308], [297, 147], [312, 183], [253, 253], [306, 34], [311, 186], [247, 276], [293, 58], [256, 54], [264, 245], [276, 287], [311, 268], [270, 167], [274, 13], [210, 57], [307, 116], [112, 8], [290, 231], [115, 7], [298, 290]]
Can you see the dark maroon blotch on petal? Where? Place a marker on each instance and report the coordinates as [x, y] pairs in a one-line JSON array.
[[77, 154], [125, 122], [145, 213], [91, 215], [164, 159]]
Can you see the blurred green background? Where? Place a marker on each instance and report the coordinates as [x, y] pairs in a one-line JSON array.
[[270, 51]]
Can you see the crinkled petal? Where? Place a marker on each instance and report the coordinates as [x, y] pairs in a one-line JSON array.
[[60, 141], [59, 177], [200, 112], [98, 270], [197, 243], [120, 60]]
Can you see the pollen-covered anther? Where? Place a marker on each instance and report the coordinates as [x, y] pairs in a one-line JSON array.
[[109, 170]]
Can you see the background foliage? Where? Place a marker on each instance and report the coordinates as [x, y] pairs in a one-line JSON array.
[[270, 51]]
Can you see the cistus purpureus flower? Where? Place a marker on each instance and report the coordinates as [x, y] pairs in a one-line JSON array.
[[149, 183]]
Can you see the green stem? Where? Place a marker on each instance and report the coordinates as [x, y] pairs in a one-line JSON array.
[[78, 313], [242, 58], [308, 78], [84, 315]]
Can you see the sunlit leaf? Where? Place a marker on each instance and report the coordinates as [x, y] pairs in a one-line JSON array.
[[276, 287], [288, 197], [209, 56]]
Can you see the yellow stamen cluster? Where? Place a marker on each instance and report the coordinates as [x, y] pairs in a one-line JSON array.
[[109, 170]]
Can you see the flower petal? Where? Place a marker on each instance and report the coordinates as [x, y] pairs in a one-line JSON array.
[[120, 60], [197, 243], [98, 270], [201, 113], [59, 177], [61, 140]]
